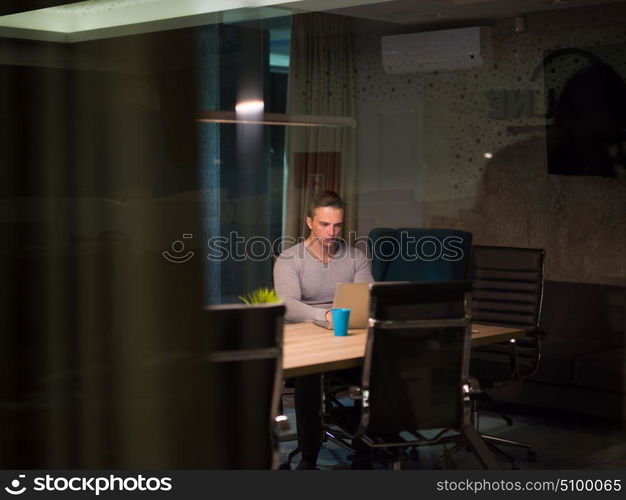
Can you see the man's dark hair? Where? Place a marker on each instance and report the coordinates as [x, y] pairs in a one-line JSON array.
[[325, 199]]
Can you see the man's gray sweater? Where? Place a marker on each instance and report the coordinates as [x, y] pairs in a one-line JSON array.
[[307, 285]]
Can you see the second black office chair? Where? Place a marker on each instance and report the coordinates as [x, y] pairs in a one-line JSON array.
[[415, 374], [507, 290], [246, 348]]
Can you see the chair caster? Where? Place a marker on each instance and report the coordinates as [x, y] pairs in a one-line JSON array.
[[531, 456]]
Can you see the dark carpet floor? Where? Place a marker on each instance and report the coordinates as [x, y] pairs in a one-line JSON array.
[[560, 442]]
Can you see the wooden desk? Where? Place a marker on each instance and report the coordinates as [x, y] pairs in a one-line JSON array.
[[309, 348]]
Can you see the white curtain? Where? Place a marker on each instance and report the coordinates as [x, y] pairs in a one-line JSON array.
[[321, 82]]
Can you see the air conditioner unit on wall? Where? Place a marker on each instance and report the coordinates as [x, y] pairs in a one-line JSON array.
[[444, 50]]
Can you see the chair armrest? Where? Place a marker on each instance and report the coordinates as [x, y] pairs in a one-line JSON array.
[[281, 425], [538, 334], [531, 339], [359, 394], [355, 392], [474, 388]]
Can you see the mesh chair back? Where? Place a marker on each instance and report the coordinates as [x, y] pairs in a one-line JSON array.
[[246, 378], [420, 254], [416, 357], [507, 286]]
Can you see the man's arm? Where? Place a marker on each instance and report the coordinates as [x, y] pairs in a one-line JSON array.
[[287, 285], [363, 271]]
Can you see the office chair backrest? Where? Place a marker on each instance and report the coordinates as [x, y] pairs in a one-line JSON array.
[[245, 345], [419, 254], [507, 286], [416, 358]]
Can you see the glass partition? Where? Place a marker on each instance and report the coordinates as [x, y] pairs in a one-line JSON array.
[[157, 160]]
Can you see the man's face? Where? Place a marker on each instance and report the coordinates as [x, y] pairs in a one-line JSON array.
[[326, 224]]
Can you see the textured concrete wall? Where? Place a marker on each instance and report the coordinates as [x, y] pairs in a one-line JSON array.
[[489, 175]]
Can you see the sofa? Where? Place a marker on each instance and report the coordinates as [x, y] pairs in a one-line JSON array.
[[583, 364]]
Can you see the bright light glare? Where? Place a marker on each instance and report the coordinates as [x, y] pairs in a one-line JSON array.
[[250, 107], [488, 155]]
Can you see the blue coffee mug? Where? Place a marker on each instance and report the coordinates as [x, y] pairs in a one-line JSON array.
[[341, 320]]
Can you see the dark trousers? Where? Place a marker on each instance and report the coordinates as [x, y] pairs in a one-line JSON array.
[[308, 405]]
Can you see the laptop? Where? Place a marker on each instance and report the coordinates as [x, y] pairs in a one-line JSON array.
[[353, 296]]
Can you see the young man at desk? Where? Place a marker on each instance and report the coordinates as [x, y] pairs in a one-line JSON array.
[[305, 276]]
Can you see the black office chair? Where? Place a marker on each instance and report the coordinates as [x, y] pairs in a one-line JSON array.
[[507, 290], [419, 254], [415, 374], [246, 345]]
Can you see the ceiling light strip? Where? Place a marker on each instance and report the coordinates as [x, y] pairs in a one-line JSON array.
[[284, 119]]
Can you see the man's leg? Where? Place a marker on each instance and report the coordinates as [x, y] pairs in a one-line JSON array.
[[308, 403], [362, 453]]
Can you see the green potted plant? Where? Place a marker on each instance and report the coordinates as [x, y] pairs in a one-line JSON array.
[[262, 295]]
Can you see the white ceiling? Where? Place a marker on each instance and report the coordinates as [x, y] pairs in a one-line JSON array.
[[103, 18], [433, 11], [95, 19]]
